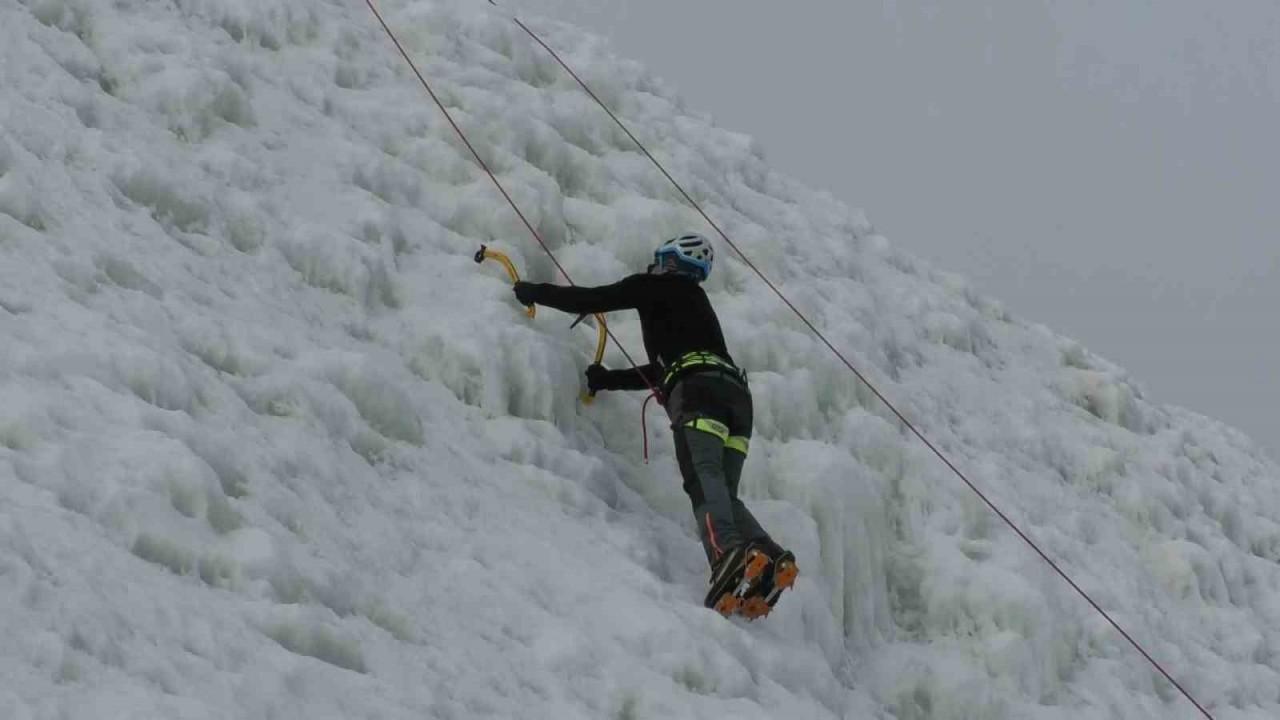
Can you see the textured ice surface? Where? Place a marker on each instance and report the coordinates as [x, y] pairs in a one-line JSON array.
[[272, 446]]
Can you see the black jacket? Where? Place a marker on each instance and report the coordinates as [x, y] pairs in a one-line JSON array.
[[675, 316]]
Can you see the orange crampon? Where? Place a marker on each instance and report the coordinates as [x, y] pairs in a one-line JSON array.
[[753, 570], [784, 576]]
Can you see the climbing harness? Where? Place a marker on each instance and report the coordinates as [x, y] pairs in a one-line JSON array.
[[701, 359]]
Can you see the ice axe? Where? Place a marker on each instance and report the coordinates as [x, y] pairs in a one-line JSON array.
[[484, 253], [601, 339]]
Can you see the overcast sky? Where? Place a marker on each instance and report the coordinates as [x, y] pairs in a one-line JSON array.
[[1111, 169]]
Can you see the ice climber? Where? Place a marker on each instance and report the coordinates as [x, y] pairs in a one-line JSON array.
[[709, 403]]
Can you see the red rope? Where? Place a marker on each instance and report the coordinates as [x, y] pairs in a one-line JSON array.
[[644, 427], [907, 423], [463, 136]]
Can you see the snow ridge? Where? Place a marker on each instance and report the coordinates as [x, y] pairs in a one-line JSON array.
[[272, 445]]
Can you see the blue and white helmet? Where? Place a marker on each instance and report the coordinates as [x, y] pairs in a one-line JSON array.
[[692, 252]]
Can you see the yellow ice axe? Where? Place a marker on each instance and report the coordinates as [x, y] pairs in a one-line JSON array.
[[601, 340], [485, 252]]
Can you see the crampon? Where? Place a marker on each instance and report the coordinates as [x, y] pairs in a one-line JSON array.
[[753, 585]]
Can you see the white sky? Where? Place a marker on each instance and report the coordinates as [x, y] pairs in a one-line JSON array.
[[1107, 168]]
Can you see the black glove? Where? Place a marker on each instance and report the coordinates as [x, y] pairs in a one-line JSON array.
[[597, 377], [526, 292]]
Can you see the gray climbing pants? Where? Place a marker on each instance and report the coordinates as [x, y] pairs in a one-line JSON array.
[[711, 421]]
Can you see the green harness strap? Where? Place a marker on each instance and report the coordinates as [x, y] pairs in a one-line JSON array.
[[737, 443], [695, 359]]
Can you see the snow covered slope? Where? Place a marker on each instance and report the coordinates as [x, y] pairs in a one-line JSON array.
[[272, 446]]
